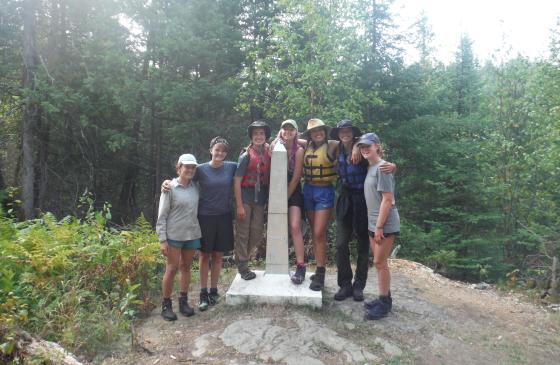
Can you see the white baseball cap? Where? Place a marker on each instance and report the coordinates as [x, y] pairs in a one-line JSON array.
[[187, 159]]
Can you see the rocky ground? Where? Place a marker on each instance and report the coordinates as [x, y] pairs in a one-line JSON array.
[[434, 321]]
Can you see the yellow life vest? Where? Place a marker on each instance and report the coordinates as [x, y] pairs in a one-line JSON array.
[[317, 166]]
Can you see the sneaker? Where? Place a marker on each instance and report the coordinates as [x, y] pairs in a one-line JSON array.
[[380, 309], [299, 276], [358, 293], [318, 282], [167, 310], [248, 275], [213, 297], [343, 292], [184, 307], [204, 301]]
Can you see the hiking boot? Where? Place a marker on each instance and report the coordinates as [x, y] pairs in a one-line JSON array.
[[248, 275], [343, 292], [318, 282], [358, 293], [184, 307], [167, 310], [299, 276], [213, 297], [380, 309], [371, 303], [204, 301]]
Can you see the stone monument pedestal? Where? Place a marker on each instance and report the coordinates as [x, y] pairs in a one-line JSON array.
[[272, 289], [274, 286]]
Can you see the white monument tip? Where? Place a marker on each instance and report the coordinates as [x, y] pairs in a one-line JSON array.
[[279, 147]]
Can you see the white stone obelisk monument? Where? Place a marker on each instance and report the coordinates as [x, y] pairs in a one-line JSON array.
[[277, 226], [274, 285]]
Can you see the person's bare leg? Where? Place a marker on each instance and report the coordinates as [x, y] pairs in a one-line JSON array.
[[216, 268], [320, 222], [204, 264], [381, 254], [171, 267], [185, 268], [294, 217]]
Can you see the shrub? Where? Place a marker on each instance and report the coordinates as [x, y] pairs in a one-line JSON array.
[[76, 282]]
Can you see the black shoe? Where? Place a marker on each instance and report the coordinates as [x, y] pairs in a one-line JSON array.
[[358, 293], [248, 275], [343, 292], [167, 310], [184, 307], [299, 276], [372, 303], [204, 301], [213, 297], [380, 309], [318, 282]]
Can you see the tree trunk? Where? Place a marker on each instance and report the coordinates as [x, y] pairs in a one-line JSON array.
[[31, 112], [2, 186], [43, 134], [555, 279], [128, 204]]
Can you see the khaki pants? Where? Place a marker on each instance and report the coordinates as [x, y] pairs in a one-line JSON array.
[[248, 234]]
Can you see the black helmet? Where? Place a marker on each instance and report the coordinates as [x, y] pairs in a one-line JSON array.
[[258, 124], [345, 123]]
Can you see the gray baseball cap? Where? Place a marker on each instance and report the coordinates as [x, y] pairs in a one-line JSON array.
[[369, 139], [289, 122], [187, 159]]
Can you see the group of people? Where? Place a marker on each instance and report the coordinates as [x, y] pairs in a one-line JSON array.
[[195, 211]]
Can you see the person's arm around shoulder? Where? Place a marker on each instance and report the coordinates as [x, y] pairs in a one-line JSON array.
[[388, 167], [166, 186], [356, 156], [161, 224], [332, 149], [298, 167]]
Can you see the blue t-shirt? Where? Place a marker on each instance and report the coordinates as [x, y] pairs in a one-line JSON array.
[[216, 188]]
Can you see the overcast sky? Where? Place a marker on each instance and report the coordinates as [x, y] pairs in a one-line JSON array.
[[525, 25]]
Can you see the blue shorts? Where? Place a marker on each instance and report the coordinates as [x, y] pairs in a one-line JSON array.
[[318, 197], [185, 245]]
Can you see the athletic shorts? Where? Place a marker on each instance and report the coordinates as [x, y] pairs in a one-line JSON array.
[[372, 234], [185, 245], [318, 197], [296, 199], [217, 233]]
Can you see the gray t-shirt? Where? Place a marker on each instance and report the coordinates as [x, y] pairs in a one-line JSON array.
[[216, 188], [248, 194], [376, 183], [177, 215]]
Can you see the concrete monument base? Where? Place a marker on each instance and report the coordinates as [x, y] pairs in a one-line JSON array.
[[272, 289]]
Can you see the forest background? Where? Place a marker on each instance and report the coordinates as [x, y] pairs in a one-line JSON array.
[[99, 97]]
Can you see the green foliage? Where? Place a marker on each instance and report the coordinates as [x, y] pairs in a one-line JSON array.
[[124, 87], [75, 281]]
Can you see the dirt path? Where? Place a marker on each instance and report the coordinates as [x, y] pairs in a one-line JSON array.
[[434, 321]]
